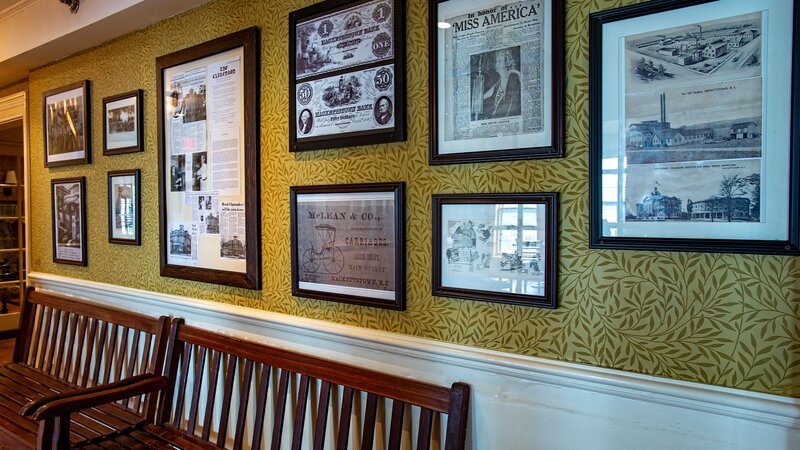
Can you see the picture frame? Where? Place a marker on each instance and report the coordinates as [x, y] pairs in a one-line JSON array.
[[347, 92], [498, 96], [208, 161], [682, 104], [124, 207], [348, 243], [67, 125], [476, 248], [123, 123], [68, 200]]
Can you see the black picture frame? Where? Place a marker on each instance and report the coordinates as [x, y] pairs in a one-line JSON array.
[[135, 208], [389, 83], [670, 229], [67, 140], [505, 149], [127, 146], [246, 41], [522, 268], [364, 257], [64, 216]]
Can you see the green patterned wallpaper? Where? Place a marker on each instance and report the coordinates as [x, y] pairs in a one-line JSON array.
[[730, 320]]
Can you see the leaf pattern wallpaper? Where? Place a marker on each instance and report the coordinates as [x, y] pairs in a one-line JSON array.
[[729, 320]]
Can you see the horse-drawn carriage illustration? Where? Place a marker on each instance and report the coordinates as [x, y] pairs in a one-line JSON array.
[[329, 255]]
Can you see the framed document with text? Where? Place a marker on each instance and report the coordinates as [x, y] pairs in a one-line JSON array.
[[347, 83], [209, 173], [496, 80], [348, 243]]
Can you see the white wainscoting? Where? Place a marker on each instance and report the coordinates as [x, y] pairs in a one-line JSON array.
[[517, 402]]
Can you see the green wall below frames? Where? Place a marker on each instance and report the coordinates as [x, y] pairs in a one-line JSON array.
[[730, 320]]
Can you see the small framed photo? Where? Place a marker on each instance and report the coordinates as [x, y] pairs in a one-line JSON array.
[[67, 125], [123, 130], [347, 74], [496, 247], [69, 220], [694, 109], [348, 243], [496, 88], [124, 207]]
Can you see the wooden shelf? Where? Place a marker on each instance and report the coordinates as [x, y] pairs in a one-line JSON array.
[[12, 217], [10, 250], [6, 185]]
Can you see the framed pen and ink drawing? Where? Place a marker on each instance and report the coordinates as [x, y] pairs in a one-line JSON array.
[[209, 176], [496, 80], [67, 125], [693, 126], [68, 197], [347, 81]]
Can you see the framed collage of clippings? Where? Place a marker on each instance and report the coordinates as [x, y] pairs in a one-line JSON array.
[[347, 74], [67, 127], [496, 247], [123, 130], [209, 178], [694, 111], [69, 220], [348, 243], [496, 80], [124, 207]]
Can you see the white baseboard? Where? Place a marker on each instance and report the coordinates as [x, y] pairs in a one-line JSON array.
[[518, 402]]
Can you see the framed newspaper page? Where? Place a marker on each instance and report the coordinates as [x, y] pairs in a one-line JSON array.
[[496, 248], [496, 80], [348, 243], [69, 220], [693, 132], [208, 162], [67, 125], [347, 74]]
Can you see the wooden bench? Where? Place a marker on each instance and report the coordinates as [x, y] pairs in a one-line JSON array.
[[66, 348], [225, 392]]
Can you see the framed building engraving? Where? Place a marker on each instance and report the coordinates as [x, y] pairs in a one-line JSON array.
[[496, 80], [348, 243], [209, 176], [693, 118], [347, 74], [124, 207], [123, 130], [69, 220], [496, 247], [67, 125]]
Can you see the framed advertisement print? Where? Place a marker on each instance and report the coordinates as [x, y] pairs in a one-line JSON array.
[[348, 243], [209, 172], [496, 80], [694, 112], [496, 247], [123, 130], [347, 81], [124, 207], [69, 220], [67, 130]]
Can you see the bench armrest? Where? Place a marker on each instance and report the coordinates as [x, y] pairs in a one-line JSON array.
[[69, 402]]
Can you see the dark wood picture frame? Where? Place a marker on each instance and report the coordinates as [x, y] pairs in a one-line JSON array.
[[399, 270], [138, 96], [87, 125], [137, 207], [248, 41], [548, 256], [555, 108], [600, 239], [81, 214], [356, 138]]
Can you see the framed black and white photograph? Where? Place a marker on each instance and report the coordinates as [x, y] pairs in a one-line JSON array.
[[347, 74], [123, 130], [348, 243], [209, 170], [69, 220], [67, 131], [124, 207], [496, 80], [496, 247], [692, 110]]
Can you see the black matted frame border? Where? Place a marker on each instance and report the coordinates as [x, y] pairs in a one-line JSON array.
[[137, 207], [139, 147]]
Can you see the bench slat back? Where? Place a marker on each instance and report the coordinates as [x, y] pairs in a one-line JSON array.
[[238, 394]]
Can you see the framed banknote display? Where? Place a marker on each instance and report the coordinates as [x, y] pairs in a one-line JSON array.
[[694, 110], [208, 162], [496, 247], [69, 220], [347, 83], [67, 128], [348, 243], [496, 80]]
